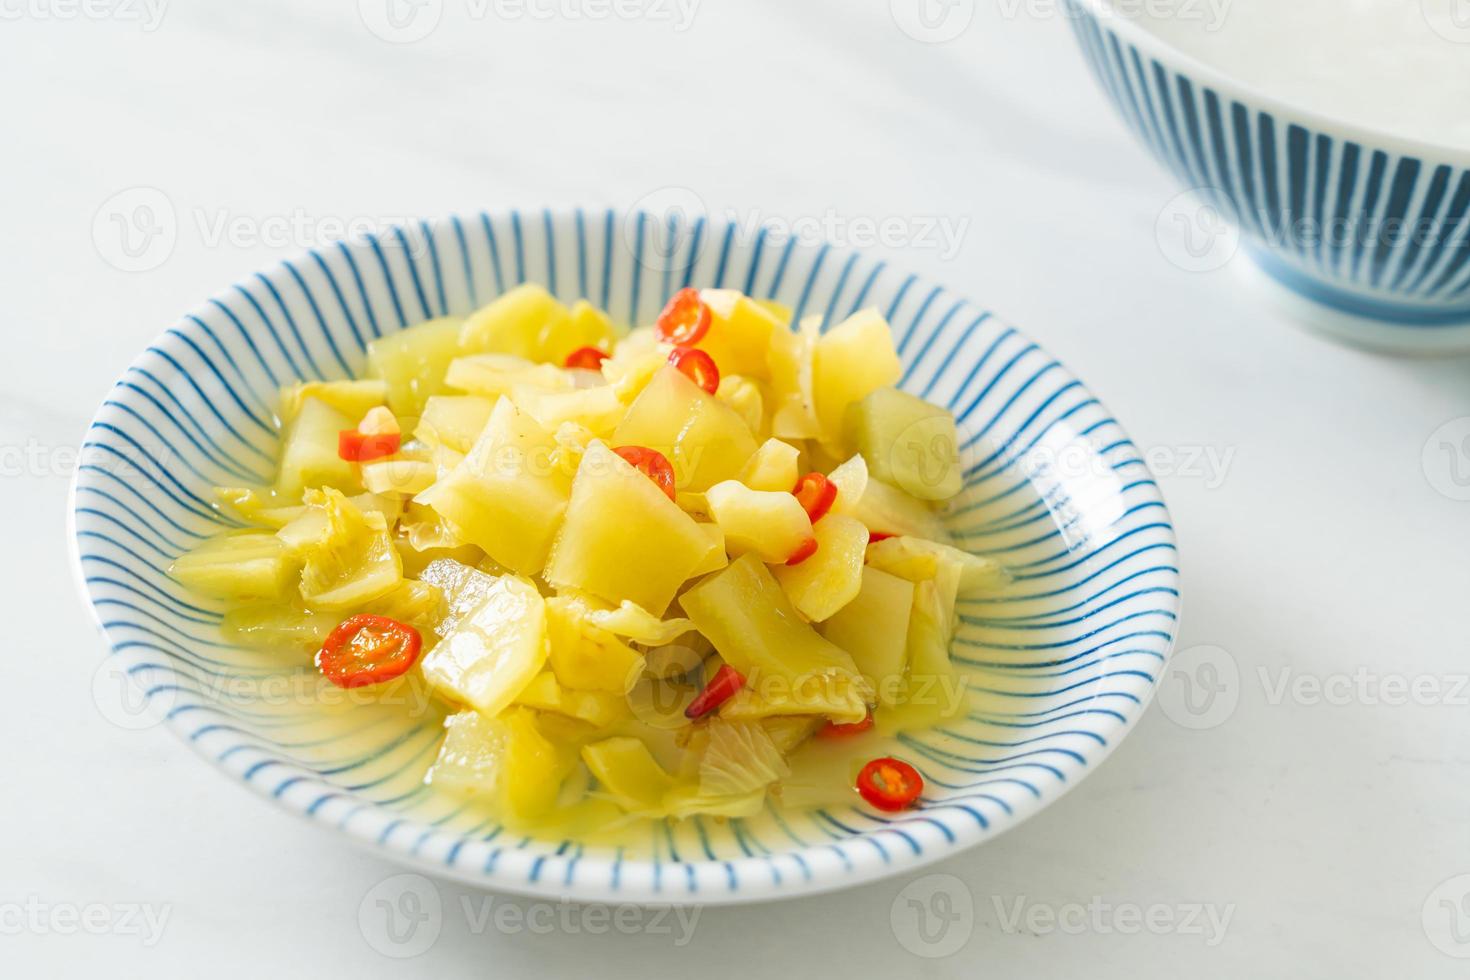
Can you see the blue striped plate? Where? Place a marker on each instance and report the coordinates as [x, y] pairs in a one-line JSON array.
[[1058, 667], [1365, 234]]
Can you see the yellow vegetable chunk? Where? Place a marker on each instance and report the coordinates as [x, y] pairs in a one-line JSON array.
[[623, 538], [237, 567], [494, 651], [400, 476], [777, 309], [455, 421], [931, 690], [264, 508], [738, 758], [776, 466], [851, 481], [494, 375], [746, 399], [352, 398], [789, 732], [628, 773], [598, 410], [907, 442], [917, 558], [874, 627], [840, 696], [585, 326], [309, 454], [507, 760], [413, 363], [704, 440], [598, 708], [793, 410], [831, 578], [277, 627], [505, 496], [585, 656], [885, 509], [746, 615], [518, 322], [768, 523], [351, 560], [627, 619], [850, 361], [417, 603], [717, 557], [739, 332]]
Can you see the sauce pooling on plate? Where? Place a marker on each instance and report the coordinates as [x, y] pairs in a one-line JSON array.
[[1400, 66]]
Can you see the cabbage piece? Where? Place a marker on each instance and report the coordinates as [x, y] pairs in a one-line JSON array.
[[628, 773], [788, 733], [585, 656], [412, 363], [493, 652], [628, 619], [461, 587], [598, 708], [916, 559], [508, 761], [493, 375], [740, 758], [262, 507], [277, 627], [789, 361], [352, 560], [239, 567], [420, 604], [688, 801], [352, 398]]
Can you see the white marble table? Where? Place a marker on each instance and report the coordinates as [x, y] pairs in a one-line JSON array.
[[1310, 821]]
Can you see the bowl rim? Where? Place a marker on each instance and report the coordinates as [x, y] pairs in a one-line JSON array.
[[510, 876], [1108, 17]]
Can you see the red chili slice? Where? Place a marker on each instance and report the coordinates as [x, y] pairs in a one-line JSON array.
[[652, 464], [684, 320], [360, 447], [875, 536], [816, 494], [590, 358], [721, 688], [890, 784], [835, 730], [697, 366], [368, 649], [803, 551]]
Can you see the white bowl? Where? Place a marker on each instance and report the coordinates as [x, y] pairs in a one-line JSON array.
[[1362, 234], [1060, 667]]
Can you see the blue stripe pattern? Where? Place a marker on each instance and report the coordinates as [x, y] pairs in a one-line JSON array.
[[1362, 229], [1058, 666]]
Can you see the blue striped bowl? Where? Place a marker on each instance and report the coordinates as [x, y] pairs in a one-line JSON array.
[[1365, 235], [1059, 667]]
